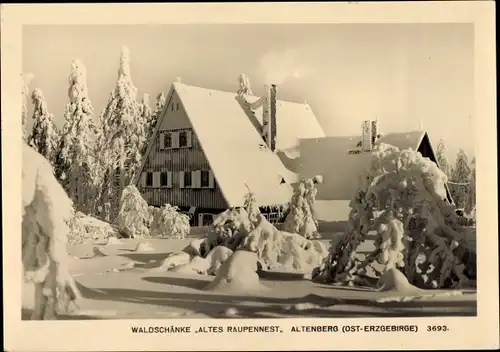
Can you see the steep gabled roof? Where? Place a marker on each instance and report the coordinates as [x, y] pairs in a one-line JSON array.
[[233, 146]]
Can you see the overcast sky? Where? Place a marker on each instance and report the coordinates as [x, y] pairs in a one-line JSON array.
[[407, 75]]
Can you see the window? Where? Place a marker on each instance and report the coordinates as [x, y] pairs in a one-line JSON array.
[[164, 179], [205, 179], [183, 140], [177, 106], [172, 107], [167, 140], [149, 179], [187, 179]]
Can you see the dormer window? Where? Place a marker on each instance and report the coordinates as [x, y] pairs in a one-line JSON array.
[[282, 181]]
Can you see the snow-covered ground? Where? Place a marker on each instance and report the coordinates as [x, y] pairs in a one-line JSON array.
[[116, 282]]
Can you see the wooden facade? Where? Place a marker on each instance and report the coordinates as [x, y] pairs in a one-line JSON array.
[[176, 170]]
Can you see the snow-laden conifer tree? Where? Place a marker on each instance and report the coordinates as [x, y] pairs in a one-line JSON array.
[[470, 205], [75, 160], [161, 99], [44, 136], [461, 175], [251, 207], [442, 160], [300, 218], [26, 80], [245, 87], [123, 135], [147, 117]]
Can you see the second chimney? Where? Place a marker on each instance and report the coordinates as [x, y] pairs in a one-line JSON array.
[[366, 136], [269, 124]]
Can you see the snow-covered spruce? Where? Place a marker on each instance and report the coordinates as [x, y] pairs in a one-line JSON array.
[[403, 202], [168, 221], [122, 138], [460, 177], [470, 205], [442, 160], [146, 116], [244, 82], [44, 137], [76, 164], [46, 211], [26, 80], [133, 216], [161, 100], [251, 207], [300, 218]]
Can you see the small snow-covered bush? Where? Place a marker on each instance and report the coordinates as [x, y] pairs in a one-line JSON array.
[[168, 221], [300, 218], [134, 215], [86, 229]]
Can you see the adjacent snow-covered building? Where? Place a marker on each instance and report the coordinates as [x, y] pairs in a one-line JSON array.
[[342, 161], [210, 147]]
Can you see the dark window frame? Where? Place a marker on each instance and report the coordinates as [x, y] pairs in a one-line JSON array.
[[169, 135], [183, 137], [188, 175], [149, 179], [205, 176], [164, 179]]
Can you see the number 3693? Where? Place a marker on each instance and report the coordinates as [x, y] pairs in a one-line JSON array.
[[437, 328]]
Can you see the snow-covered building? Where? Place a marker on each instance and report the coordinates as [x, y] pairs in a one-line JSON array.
[[210, 147], [342, 161]]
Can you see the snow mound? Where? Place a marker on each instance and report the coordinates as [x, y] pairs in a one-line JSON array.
[[396, 283], [173, 260], [113, 241], [197, 265], [98, 252], [217, 257], [394, 280], [237, 274], [144, 247]]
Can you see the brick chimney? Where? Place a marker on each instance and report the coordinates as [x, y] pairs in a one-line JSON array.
[[269, 124], [375, 130]]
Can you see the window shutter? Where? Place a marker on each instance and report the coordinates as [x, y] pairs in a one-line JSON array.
[[169, 175], [211, 180], [175, 139], [197, 179], [143, 179], [156, 179], [162, 140], [189, 136], [181, 179]]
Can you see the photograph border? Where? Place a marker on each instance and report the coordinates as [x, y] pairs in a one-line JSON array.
[[481, 331]]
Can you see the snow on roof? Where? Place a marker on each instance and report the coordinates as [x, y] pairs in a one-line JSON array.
[[294, 122], [342, 171], [235, 150]]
